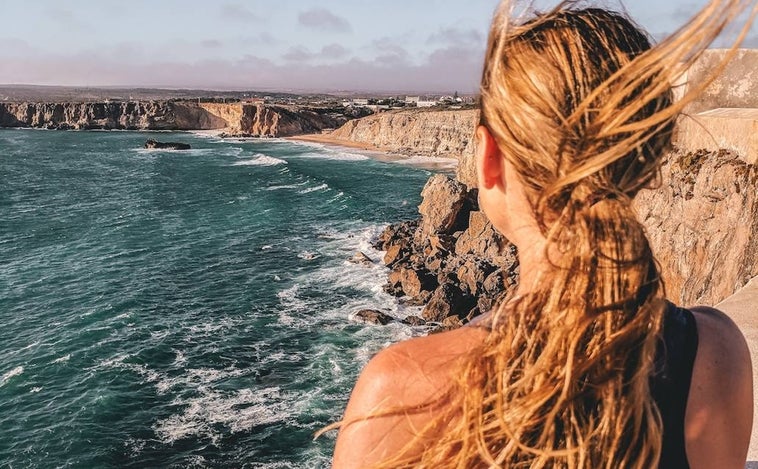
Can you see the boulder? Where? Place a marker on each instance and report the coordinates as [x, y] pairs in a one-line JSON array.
[[438, 246], [396, 254], [153, 144], [419, 300], [472, 273], [394, 283], [481, 238], [360, 258], [396, 233], [414, 321], [445, 207], [373, 316], [415, 281], [448, 300]]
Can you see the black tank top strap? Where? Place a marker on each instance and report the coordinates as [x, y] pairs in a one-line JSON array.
[[670, 384]]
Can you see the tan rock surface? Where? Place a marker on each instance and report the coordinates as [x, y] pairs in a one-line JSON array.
[[702, 223], [416, 132], [735, 87], [735, 129]]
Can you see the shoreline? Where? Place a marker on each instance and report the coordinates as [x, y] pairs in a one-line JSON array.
[[333, 141], [431, 163]]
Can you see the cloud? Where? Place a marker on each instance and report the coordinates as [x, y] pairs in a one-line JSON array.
[[298, 54], [302, 54], [456, 37], [334, 51], [324, 20], [211, 44], [236, 12], [445, 70], [387, 46]]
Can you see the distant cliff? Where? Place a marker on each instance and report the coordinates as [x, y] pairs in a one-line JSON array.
[[234, 118], [448, 133]]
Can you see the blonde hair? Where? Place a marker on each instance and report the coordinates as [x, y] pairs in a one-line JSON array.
[[580, 105]]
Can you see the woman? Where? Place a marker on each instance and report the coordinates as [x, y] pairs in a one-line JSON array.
[[587, 365]]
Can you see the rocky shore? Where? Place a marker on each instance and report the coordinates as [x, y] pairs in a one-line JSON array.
[[451, 260]]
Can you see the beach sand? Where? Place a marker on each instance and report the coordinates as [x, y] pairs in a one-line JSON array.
[[431, 163], [329, 140]]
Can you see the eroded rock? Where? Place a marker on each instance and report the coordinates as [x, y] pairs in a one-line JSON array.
[[448, 300], [373, 316], [156, 145], [360, 258], [444, 209]]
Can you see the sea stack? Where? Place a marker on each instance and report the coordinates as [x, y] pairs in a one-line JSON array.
[[153, 144]]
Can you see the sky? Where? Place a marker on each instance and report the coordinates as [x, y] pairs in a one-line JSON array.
[[283, 45]]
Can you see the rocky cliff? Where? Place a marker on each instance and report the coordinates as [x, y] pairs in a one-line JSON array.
[[158, 115], [702, 222], [285, 121], [415, 132], [235, 118]]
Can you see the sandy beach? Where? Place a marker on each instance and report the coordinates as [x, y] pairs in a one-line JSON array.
[[431, 163], [329, 140]]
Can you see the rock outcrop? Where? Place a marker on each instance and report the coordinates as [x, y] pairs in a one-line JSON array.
[[448, 133], [451, 260], [154, 144], [285, 121], [258, 120]]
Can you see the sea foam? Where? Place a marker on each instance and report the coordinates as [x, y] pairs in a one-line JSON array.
[[260, 160], [10, 374]]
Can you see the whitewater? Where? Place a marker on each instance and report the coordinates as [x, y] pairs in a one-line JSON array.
[[186, 308]]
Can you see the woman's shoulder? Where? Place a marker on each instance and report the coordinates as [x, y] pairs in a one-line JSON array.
[[425, 363], [720, 403], [722, 348], [405, 375]]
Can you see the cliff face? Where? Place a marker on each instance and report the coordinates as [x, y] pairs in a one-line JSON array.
[[428, 133], [235, 118], [281, 121], [702, 223], [158, 115]]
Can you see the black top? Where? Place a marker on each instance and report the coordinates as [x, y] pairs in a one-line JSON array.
[[670, 385]]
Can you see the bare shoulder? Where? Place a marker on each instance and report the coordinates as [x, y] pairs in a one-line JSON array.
[[404, 375], [409, 372], [720, 404]]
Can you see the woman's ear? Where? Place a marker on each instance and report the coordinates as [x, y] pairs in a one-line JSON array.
[[489, 160]]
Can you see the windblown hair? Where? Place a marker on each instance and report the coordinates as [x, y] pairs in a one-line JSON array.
[[581, 106]]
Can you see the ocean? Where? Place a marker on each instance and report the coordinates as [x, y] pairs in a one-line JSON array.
[[186, 308]]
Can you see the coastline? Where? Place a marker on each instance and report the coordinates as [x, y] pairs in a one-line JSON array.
[[333, 141], [431, 163]]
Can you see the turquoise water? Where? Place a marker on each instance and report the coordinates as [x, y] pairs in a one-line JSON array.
[[185, 309]]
